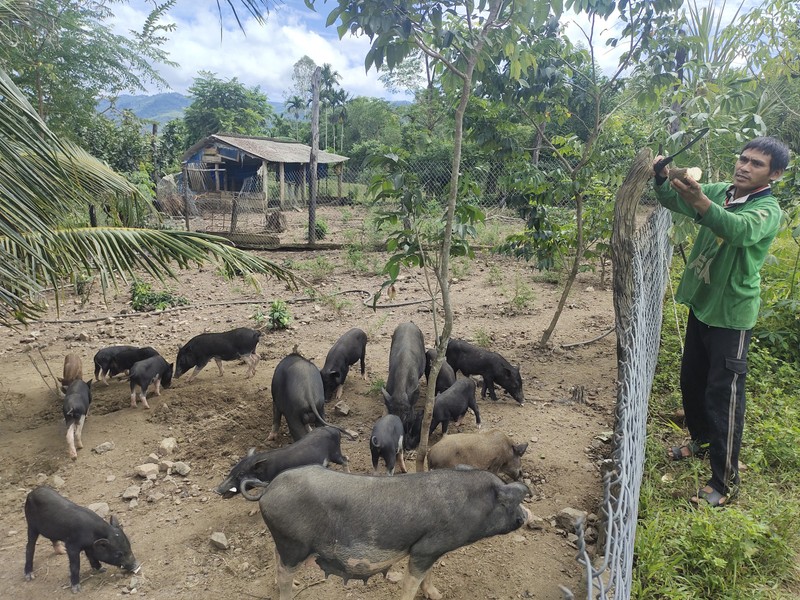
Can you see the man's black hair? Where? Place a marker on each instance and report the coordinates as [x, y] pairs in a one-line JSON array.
[[772, 147]]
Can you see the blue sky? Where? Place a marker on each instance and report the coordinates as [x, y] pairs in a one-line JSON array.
[[264, 55]]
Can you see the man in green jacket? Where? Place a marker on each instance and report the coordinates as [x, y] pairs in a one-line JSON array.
[[721, 285]]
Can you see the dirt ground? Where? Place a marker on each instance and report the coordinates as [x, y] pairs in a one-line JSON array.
[[216, 419]]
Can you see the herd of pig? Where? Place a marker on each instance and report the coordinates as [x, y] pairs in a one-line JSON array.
[[355, 525]]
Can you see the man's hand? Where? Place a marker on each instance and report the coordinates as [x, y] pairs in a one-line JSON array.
[[663, 174], [689, 190]]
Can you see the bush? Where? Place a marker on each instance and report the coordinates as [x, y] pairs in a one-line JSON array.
[[144, 299], [278, 316]]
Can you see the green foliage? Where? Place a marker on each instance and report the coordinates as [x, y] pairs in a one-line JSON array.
[[320, 229], [523, 294], [415, 220], [482, 338], [278, 316], [495, 276], [63, 55], [355, 257], [316, 269], [144, 299], [376, 385], [225, 106]]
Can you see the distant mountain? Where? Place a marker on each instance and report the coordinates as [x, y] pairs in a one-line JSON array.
[[160, 108]]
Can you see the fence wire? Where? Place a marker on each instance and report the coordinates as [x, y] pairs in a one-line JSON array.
[[611, 578]]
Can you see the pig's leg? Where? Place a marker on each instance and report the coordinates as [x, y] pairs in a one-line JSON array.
[[283, 577], [339, 391], [401, 459], [411, 582], [489, 383], [428, 589], [134, 394], [157, 391], [276, 422], [30, 548], [219, 366], [74, 555], [252, 361], [73, 454], [93, 561], [474, 407], [144, 399], [363, 365], [197, 369], [79, 431]]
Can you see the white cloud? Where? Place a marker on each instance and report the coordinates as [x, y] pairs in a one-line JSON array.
[[264, 55]]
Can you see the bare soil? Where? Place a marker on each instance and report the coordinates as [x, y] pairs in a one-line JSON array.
[[216, 419]]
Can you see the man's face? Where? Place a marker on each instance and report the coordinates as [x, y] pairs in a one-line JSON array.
[[753, 171]]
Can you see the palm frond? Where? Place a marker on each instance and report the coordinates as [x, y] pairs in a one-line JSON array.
[[115, 254]]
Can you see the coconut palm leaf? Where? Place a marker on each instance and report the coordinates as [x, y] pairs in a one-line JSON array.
[[115, 254], [44, 184]]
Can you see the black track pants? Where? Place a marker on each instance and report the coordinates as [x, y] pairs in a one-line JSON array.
[[713, 371]]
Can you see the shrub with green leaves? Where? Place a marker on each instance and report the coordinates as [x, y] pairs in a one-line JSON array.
[[144, 299], [278, 316]]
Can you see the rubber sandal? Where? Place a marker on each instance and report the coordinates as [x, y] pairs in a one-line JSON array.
[[714, 499], [695, 451]]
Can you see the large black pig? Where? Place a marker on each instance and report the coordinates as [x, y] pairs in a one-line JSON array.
[[348, 349], [80, 529], [360, 525], [320, 447], [471, 360], [406, 366], [297, 395], [229, 345]]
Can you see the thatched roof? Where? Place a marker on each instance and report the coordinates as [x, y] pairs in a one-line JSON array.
[[267, 149]]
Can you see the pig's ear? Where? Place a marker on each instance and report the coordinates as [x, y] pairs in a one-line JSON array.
[[251, 451], [180, 348], [102, 544], [519, 449], [386, 397], [512, 494], [114, 522]]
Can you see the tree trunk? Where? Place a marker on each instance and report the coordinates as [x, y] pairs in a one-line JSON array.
[[312, 165], [444, 265]]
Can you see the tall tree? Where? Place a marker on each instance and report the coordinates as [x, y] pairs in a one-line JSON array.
[[225, 105], [328, 80], [296, 106], [64, 56], [302, 72]]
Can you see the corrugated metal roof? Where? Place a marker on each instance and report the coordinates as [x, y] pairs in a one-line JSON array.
[[267, 149]]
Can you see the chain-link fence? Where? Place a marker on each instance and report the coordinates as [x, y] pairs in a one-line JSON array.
[[270, 206], [610, 577]]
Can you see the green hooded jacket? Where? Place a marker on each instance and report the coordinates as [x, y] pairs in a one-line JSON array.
[[721, 282]]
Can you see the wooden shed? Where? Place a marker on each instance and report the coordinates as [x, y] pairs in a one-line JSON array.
[[229, 165]]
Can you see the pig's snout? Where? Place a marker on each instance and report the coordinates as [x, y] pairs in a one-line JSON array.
[[133, 567], [526, 516]]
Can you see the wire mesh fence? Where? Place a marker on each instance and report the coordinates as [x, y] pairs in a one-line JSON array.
[[611, 577], [268, 208]]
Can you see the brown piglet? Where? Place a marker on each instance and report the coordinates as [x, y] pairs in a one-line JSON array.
[[73, 370]]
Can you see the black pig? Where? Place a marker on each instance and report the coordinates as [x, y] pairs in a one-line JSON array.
[[320, 447], [386, 442], [154, 370], [103, 358], [230, 345], [471, 360], [406, 366], [298, 395], [60, 520], [348, 349], [359, 525], [75, 406], [453, 403]]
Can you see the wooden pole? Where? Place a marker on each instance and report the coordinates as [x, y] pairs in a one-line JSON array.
[[282, 184], [312, 166], [186, 196], [339, 173]]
